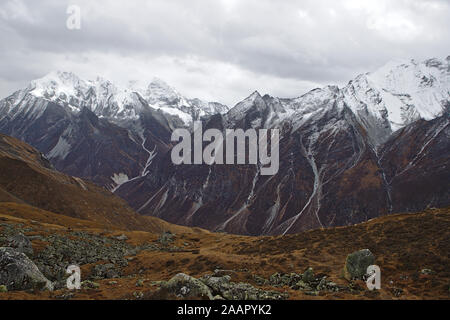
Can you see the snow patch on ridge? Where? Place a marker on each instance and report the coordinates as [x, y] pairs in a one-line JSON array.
[[119, 178]]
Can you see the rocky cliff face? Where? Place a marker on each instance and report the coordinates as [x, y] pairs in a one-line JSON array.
[[379, 145]]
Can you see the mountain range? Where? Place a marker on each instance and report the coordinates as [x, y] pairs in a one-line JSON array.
[[376, 146]]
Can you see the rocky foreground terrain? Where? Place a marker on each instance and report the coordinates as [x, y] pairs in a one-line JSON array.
[[411, 250], [49, 221]]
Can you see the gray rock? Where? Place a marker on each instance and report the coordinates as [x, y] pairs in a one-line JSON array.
[[260, 280], [187, 287], [216, 283], [222, 272], [18, 272], [223, 287], [284, 279], [356, 264], [166, 237], [301, 285], [82, 248], [308, 276], [87, 284], [21, 243]]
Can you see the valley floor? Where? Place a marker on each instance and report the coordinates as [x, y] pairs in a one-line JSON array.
[[412, 251]]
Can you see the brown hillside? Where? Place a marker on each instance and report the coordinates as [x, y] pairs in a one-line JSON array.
[[26, 177]]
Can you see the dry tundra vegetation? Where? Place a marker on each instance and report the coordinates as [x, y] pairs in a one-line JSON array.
[[50, 220], [411, 249]]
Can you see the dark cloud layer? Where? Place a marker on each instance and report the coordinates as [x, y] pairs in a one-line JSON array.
[[220, 49]]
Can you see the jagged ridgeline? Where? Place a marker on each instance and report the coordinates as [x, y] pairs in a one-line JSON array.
[[378, 145]]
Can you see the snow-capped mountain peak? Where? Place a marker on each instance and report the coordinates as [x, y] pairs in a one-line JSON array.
[[399, 93], [56, 83], [100, 95], [384, 101], [159, 93], [162, 96], [109, 100], [242, 107]]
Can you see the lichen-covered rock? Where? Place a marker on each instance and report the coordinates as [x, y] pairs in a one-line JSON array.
[[3, 289], [326, 285], [301, 285], [245, 291], [260, 280], [21, 243], [217, 284], [186, 286], [308, 281], [82, 248], [356, 264], [88, 284], [222, 286], [18, 272], [308, 276], [166, 237], [284, 279]]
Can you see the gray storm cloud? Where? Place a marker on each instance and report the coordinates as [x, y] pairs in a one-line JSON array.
[[219, 50]]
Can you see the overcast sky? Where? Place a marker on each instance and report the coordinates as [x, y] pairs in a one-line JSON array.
[[219, 50]]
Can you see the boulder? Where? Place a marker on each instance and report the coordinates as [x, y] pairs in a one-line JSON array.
[[186, 286], [214, 288], [223, 287], [308, 276], [217, 284], [18, 272], [356, 264]]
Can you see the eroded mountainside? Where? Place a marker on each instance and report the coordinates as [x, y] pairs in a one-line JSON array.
[[28, 179], [379, 145], [346, 156]]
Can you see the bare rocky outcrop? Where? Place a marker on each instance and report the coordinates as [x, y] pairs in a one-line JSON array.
[[215, 288], [356, 264], [18, 272]]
